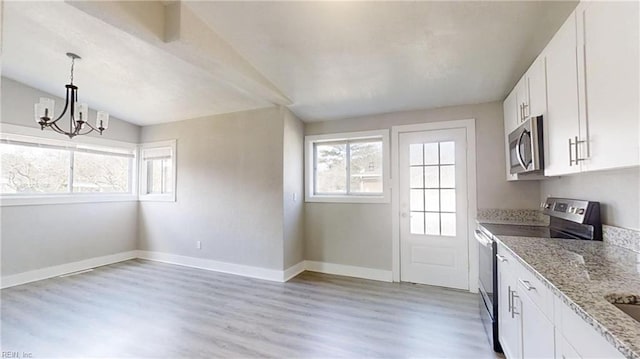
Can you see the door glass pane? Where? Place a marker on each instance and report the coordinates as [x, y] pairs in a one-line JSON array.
[[431, 177], [416, 200], [431, 153], [447, 153], [417, 222], [331, 168], [432, 200], [26, 169], [415, 154], [366, 167], [448, 224], [416, 178], [432, 224], [100, 173], [448, 200], [448, 176]]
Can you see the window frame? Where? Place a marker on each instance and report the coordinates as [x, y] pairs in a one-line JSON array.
[[37, 136], [346, 137], [143, 174]]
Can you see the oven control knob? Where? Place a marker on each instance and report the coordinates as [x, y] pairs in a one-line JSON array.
[[572, 209], [581, 211]]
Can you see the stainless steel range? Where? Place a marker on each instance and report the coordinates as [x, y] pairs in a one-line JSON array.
[[568, 218]]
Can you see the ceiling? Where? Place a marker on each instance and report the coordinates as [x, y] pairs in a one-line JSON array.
[[330, 60]]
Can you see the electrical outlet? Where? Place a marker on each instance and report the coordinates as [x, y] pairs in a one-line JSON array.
[[198, 245]]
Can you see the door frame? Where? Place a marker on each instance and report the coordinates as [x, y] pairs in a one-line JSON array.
[[470, 126]]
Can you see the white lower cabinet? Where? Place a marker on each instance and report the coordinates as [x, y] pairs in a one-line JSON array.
[[534, 323]]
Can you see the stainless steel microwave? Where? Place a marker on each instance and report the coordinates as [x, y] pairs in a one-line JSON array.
[[526, 147]]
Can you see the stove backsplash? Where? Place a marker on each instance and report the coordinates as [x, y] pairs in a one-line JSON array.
[[515, 216]]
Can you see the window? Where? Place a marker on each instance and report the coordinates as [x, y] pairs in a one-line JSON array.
[[158, 171], [347, 167], [432, 182], [36, 170]]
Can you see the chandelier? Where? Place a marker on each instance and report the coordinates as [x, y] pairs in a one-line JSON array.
[[78, 112]]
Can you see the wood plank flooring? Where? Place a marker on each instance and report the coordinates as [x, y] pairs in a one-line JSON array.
[[140, 308]]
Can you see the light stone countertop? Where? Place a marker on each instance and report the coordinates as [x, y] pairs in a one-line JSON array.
[[582, 274]]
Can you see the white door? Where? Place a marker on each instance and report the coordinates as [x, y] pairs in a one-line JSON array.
[[433, 208]]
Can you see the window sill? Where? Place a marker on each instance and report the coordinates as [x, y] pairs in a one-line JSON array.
[[348, 199], [157, 198], [65, 199]]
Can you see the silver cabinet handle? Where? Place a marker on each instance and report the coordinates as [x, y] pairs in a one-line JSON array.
[[527, 285], [509, 296], [525, 111], [513, 304], [501, 258], [570, 153], [577, 159]]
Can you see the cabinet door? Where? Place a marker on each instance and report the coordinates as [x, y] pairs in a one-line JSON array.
[[537, 331], [510, 113], [561, 123], [564, 350], [537, 88], [522, 100], [608, 35], [508, 323]]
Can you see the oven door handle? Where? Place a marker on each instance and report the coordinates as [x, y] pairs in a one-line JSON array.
[[482, 239]]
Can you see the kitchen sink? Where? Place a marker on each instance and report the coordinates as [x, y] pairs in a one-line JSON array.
[[632, 310]]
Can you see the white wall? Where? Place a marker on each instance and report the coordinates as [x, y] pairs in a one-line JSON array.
[[229, 190], [617, 191], [35, 237], [360, 234], [293, 166]]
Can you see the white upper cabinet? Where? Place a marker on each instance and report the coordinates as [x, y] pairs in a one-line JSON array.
[[561, 124], [609, 61], [586, 84], [537, 89]]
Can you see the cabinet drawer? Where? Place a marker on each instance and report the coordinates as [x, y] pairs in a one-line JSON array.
[[506, 260], [535, 290]]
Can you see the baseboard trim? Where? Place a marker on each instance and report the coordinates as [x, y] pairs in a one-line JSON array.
[[212, 265], [349, 271], [200, 263], [293, 271], [55, 271]]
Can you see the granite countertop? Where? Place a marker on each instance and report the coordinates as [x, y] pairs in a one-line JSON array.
[[587, 275]]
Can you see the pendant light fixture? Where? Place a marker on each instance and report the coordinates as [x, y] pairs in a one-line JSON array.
[[78, 112]]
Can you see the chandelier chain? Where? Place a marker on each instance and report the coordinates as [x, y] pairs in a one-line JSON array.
[[73, 61]]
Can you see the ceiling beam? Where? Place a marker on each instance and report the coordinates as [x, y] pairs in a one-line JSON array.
[[174, 28]]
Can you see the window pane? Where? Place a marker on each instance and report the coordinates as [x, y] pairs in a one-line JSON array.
[[416, 177], [33, 170], [448, 200], [415, 154], [431, 177], [100, 173], [366, 167], [448, 224], [432, 222], [416, 200], [447, 153], [159, 176], [431, 153], [331, 168], [432, 200], [417, 223], [448, 176]]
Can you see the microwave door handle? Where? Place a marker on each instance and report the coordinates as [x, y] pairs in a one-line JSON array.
[[518, 154]]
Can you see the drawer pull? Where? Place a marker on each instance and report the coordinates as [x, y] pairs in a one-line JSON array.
[[501, 258], [513, 304], [527, 285]]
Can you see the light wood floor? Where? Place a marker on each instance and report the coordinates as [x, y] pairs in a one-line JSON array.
[[147, 309]]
